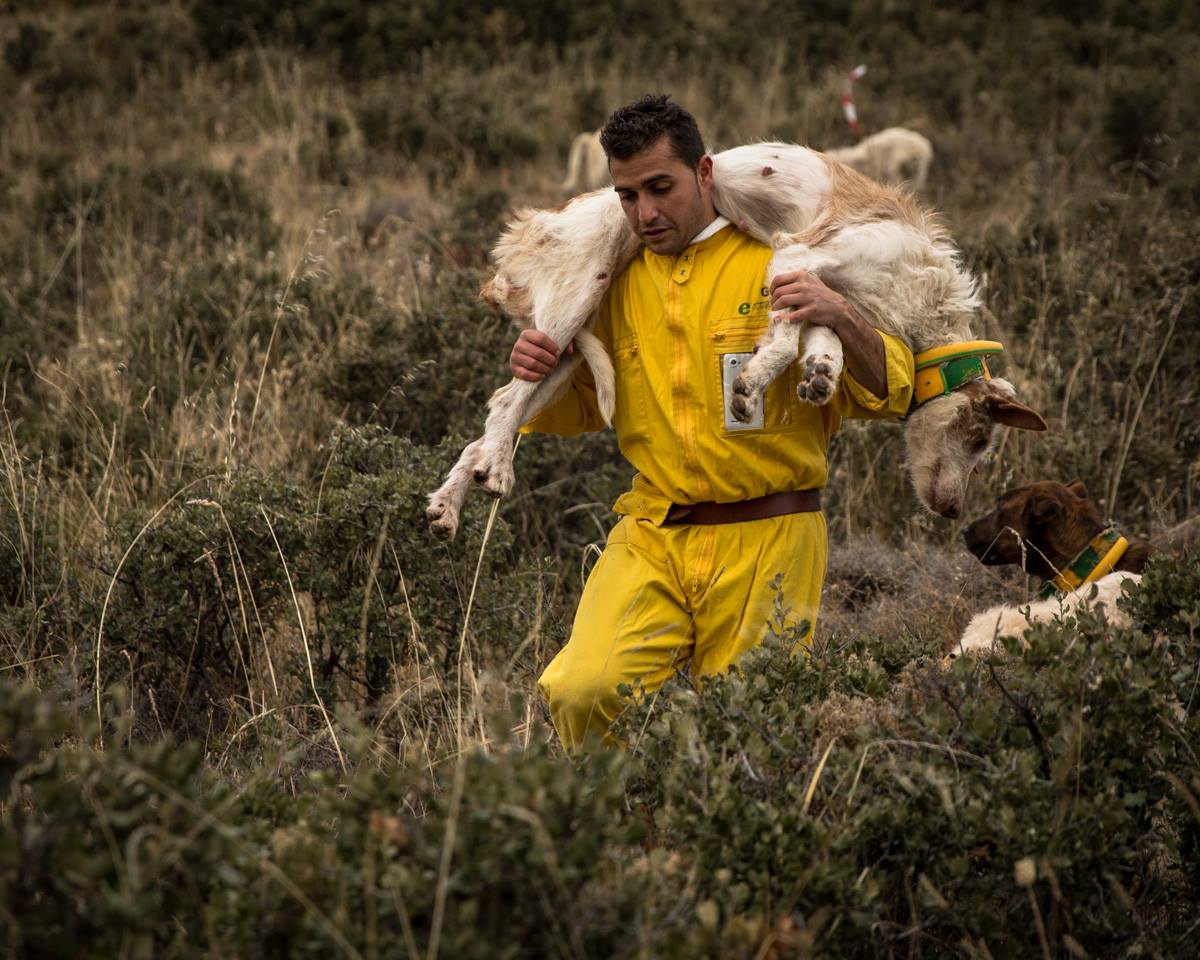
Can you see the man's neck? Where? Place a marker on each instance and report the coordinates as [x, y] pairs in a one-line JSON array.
[[717, 222]]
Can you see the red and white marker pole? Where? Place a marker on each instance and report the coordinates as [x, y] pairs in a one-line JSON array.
[[848, 99]]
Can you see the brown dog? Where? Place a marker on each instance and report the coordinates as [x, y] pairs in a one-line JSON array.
[[1043, 527], [1047, 528]]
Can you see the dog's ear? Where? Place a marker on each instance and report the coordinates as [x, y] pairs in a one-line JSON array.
[[1042, 510], [493, 292], [1013, 413], [1077, 488]]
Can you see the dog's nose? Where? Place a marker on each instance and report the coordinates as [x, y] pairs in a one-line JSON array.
[[950, 511]]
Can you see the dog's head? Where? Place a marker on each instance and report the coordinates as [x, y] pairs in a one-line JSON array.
[[948, 436], [1040, 526]]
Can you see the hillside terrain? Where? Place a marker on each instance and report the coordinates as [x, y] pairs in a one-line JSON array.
[[249, 707]]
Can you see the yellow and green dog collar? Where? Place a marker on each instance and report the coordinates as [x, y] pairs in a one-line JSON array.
[[1093, 562], [942, 370]]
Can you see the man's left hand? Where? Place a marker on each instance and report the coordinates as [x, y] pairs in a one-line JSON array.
[[803, 298]]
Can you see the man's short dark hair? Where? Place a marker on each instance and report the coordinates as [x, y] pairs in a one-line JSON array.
[[638, 125]]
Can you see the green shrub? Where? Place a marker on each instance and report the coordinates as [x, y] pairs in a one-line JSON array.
[[903, 811], [205, 586], [1135, 114], [140, 850], [426, 374], [826, 804], [446, 124]]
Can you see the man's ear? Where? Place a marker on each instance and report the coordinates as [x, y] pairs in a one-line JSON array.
[[1013, 413], [1042, 510], [704, 171], [1076, 487]]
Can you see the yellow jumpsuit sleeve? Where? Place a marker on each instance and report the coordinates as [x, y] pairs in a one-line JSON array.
[[576, 410], [855, 401]]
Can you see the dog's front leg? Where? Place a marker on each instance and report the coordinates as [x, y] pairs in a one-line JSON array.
[[776, 350], [823, 363]]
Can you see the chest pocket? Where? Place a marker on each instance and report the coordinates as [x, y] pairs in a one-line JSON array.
[[731, 344], [629, 420]]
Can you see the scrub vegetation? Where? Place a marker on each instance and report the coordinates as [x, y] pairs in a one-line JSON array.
[[249, 707]]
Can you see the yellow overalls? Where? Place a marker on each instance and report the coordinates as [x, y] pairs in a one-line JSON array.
[[662, 597]]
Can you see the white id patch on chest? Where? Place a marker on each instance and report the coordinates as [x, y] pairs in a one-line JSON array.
[[731, 366]]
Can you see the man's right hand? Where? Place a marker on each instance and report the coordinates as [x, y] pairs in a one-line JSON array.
[[534, 355]]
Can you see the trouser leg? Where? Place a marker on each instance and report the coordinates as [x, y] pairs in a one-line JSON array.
[[734, 611], [660, 598], [632, 623]]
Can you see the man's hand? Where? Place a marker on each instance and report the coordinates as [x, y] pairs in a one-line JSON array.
[[803, 298], [534, 355]]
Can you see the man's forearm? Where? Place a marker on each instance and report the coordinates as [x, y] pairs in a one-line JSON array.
[[864, 352]]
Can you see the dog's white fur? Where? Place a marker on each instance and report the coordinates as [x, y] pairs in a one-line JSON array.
[[1007, 620], [587, 166], [893, 155], [553, 268], [890, 258], [895, 263]]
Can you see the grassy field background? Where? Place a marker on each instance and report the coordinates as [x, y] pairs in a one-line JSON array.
[[249, 707]]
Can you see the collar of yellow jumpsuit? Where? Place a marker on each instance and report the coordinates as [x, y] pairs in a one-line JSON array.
[[678, 327]]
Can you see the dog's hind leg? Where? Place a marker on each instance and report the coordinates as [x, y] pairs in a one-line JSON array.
[[781, 345], [776, 350], [509, 407], [446, 502]]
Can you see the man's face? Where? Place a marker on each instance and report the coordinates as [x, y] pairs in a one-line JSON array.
[[665, 201]]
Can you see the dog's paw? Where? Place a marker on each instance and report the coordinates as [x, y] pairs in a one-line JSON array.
[[818, 384], [743, 403], [442, 517], [494, 475]]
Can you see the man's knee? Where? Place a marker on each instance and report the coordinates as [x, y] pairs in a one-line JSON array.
[[578, 692], [582, 704]]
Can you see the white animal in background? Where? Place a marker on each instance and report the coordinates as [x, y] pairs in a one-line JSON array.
[[1007, 620], [587, 166], [891, 259], [893, 155]]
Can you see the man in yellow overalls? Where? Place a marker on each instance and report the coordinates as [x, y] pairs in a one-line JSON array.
[[718, 508]]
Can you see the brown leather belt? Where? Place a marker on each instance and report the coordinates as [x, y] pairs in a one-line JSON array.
[[760, 508]]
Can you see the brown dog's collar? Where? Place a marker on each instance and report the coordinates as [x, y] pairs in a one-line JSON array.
[[1094, 561]]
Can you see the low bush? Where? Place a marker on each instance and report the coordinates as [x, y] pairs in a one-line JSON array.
[[994, 805], [346, 567], [1042, 800], [450, 125]]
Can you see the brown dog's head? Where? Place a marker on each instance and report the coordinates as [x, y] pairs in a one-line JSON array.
[[1040, 526]]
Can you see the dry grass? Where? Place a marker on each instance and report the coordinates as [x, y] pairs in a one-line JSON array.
[[85, 441]]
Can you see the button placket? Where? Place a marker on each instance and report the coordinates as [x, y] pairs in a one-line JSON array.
[[683, 268]]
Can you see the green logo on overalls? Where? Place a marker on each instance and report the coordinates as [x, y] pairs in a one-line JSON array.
[[744, 308]]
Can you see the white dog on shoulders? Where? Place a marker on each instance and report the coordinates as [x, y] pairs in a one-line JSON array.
[[890, 258]]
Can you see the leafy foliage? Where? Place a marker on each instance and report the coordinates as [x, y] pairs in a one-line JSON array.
[[319, 731], [823, 802]]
